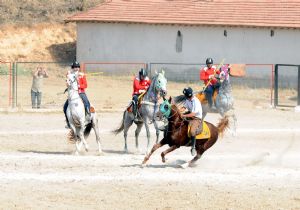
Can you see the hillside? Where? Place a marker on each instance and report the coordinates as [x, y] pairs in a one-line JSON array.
[[34, 30]]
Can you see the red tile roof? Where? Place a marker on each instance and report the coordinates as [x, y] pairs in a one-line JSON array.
[[246, 13]]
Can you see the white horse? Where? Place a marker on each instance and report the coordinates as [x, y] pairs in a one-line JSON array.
[[80, 126]]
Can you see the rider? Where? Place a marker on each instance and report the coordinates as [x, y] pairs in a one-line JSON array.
[[194, 115], [208, 74], [82, 85], [140, 85]]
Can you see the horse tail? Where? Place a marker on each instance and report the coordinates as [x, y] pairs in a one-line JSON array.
[[118, 130], [223, 125], [179, 99], [87, 130]]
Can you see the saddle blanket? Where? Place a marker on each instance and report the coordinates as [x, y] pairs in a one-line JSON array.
[[205, 134]]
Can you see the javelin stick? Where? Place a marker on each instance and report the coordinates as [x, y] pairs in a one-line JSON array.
[[221, 64]]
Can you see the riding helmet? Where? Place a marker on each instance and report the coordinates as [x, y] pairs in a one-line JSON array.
[[75, 64], [143, 72], [209, 61], [188, 92]]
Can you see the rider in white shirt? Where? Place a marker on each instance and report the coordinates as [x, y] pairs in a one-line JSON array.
[[194, 115]]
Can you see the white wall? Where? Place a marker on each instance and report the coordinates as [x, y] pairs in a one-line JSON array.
[[157, 43]]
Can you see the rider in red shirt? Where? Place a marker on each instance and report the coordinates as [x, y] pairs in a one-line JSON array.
[[82, 85], [208, 75], [140, 85]]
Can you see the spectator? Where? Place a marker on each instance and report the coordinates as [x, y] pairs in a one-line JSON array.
[[37, 84]]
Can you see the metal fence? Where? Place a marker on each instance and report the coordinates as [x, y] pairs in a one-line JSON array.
[[52, 88], [257, 84], [6, 84], [110, 83], [287, 85]]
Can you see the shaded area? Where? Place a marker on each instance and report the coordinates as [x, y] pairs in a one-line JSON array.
[[45, 152], [63, 52]]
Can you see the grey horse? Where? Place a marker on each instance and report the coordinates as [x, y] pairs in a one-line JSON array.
[[224, 101], [146, 111], [80, 126]]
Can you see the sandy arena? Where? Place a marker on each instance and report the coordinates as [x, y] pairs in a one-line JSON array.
[[258, 169]]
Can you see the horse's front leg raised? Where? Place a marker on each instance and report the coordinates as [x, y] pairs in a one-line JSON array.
[[155, 147], [163, 154]]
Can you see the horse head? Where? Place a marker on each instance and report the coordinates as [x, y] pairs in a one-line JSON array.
[[160, 83], [224, 74], [72, 82], [165, 109]]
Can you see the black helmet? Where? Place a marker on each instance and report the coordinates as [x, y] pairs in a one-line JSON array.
[[209, 61], [75, 64], [188, 92], [143, 72]]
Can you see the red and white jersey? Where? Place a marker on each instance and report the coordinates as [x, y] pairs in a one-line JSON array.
[[82, 83], [140, 86], [206, 72]]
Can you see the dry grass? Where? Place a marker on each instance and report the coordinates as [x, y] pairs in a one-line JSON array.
[[34, 30], [30, 12]]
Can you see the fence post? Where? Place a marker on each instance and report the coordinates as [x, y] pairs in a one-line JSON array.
[[13, 85], [276, 86], [298, 102]]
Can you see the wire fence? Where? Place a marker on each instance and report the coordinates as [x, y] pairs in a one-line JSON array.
[[6, 84], [52, 87], [110, 83], [256, 85]]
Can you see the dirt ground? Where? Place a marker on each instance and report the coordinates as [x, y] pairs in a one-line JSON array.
[[258, 169]]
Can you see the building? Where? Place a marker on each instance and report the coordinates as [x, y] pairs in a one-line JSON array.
[[242, 31]]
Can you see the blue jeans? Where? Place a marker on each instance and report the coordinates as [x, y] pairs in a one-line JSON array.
[[209, 93], [36, 98], [85, 101]]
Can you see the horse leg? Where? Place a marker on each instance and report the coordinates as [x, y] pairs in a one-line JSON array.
[[234, 124], [163, 154], [127, 123], [155, 147], [96, 129], [82, 139], [156, 130], [148, 135], [137, 132]]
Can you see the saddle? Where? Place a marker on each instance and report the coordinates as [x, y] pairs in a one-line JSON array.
[[130, 106], [202, 98], [205, 134]]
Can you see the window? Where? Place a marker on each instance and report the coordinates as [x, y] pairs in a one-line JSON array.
[[179, 42]]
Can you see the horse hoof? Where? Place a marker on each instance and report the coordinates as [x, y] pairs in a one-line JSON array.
[[185, 165], [126, 151]]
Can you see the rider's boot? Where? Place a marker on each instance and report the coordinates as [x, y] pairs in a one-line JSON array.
[[193, 143], [134, 111], [68, 125]]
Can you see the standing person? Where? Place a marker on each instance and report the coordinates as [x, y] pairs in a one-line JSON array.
[[207, 74], [194, 115], [140, 85], [82, 85], [37, 84]]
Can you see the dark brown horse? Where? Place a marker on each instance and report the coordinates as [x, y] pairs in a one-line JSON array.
[[177, 133]]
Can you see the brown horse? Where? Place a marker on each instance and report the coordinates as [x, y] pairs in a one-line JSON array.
[[177, 133]]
